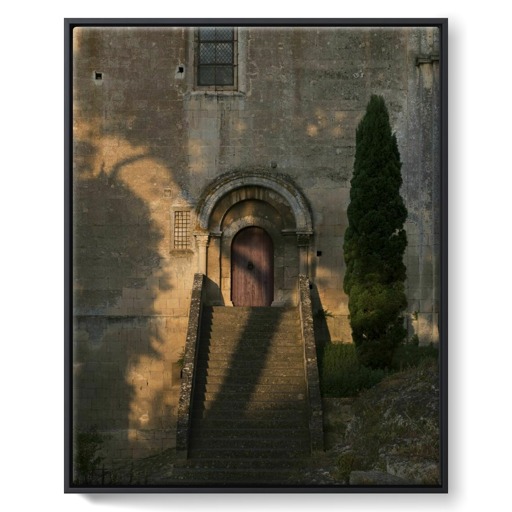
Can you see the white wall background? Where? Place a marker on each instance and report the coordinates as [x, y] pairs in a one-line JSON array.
[[31, 213]]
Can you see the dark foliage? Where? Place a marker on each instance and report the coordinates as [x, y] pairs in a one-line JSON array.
[[341, 374], [87, 444], [375, 241]]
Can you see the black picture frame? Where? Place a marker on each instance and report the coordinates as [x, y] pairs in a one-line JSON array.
[[72, 23]]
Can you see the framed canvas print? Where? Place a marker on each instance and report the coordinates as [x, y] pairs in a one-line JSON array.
[[256, 237]]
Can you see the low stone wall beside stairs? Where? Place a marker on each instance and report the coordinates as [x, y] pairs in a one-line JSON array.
[[190, 357], [311, 366]]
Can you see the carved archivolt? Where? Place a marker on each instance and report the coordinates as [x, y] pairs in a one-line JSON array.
[[278, 183]]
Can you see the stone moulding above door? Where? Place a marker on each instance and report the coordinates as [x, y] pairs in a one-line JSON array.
[[279, 183]]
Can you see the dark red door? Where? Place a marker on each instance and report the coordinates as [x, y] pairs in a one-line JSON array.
[[252, 268]]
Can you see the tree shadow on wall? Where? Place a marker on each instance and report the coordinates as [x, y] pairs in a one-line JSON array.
[[125, 135], [136, 103], [117, 345]]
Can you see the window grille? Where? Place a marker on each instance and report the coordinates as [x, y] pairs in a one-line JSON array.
[[182, 230], [216, 56]]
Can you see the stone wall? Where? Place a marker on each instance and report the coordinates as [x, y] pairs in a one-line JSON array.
[[147, 143]]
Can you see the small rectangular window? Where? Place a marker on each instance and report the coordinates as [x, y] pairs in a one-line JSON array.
[[182, 230], [216, 56]]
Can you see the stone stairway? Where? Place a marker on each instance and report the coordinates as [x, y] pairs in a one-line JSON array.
[[250, 409]]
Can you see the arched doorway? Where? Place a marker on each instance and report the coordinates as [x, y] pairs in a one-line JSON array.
[[241, 199], [252, 268]]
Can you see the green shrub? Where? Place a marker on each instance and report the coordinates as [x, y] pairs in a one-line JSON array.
[[410, 355], [375, 241], [87, 461], [181, 359], [341, 373]]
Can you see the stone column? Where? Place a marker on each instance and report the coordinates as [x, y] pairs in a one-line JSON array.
[[303, 245], [202, 245], [213, 263]]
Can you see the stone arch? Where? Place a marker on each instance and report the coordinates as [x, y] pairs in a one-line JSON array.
[[240, 199], [278, 183], [244, 202]]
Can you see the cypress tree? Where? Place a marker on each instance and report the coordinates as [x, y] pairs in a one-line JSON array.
[[375, 241]]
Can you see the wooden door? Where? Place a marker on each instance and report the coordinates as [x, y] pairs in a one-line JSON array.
[[252, 268]]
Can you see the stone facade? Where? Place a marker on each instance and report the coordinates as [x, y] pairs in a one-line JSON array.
[[165, 173]]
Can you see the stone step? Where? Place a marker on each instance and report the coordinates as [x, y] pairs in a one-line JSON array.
[[248, 453], [245, 410], [282, 422], [251, 337], [241, 311], [259, 347], [208, 418], [250, 360], [250, 352], [243, 463], [250, 371], [251, 324], [243, 314], [229, 336], [255, 321], [272, 373], [250, 380], [250, 374], [237, 434], [224, 372], [240, 324], [251, 398], [250, 319], [250, 345], [233, 388], [236, 346], [198, 442]]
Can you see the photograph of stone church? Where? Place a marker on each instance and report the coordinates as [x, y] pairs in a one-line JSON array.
[[217, 221]]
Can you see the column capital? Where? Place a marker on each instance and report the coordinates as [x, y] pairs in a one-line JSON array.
[[202, 239], [303, 238]]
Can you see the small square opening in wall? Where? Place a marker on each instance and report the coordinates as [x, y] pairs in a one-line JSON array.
[[179, 73], [98, 75], [319, 253]]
